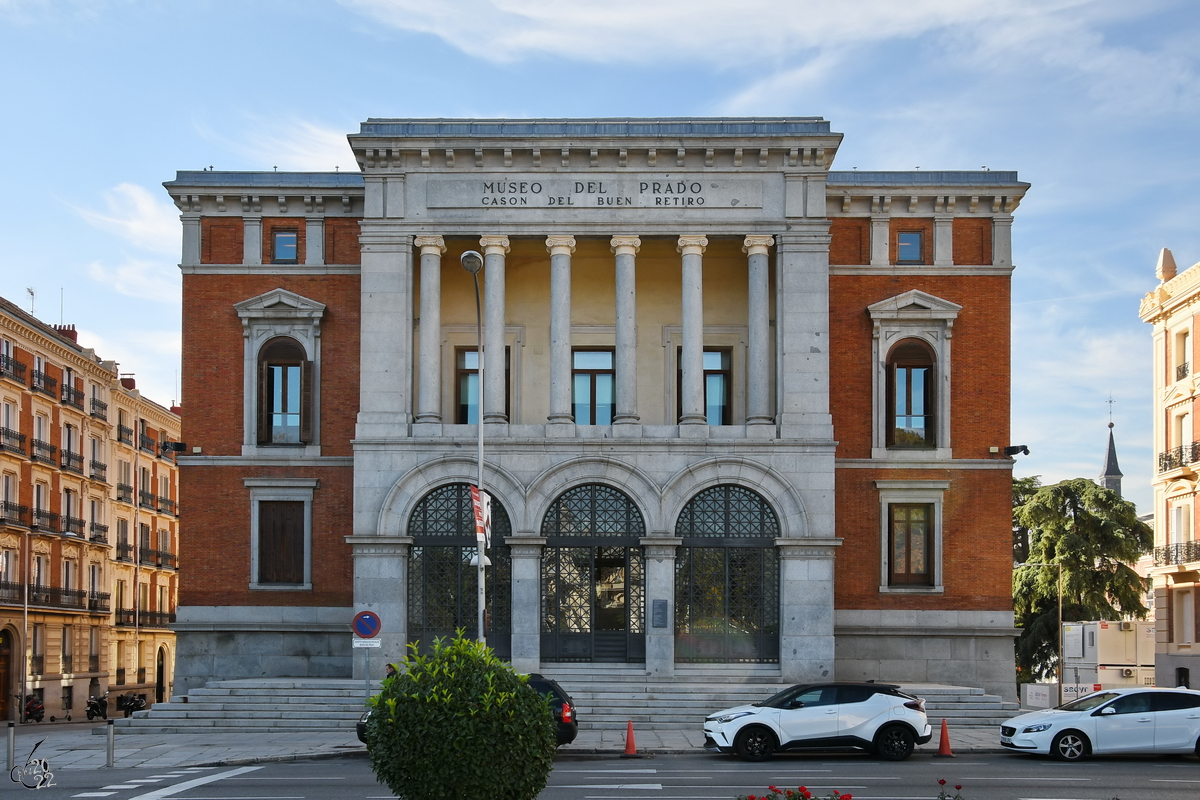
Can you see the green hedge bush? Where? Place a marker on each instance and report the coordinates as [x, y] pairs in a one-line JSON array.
[[459, 724]]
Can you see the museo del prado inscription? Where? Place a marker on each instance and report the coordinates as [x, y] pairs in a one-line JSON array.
[[608, 191]]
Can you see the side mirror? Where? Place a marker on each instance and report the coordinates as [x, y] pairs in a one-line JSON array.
[[796, 704], [1107, 711]]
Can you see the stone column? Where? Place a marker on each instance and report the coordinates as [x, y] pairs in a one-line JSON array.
[[691, 358], [381, 585], [758, 364], [191, 238], [660, 586], [526, 601], [252, 240], [880, 241], [385, 324], [943, 240], [429, 393], [806, 609], [314, 240], [1002, 241], [626, 249], [802, 332], [560, 248], [494, 317]]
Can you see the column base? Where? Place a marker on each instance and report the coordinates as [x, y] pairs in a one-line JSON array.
[[427, 429], [560, 429]]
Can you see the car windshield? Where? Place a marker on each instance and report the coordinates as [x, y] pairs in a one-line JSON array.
[[1089, 702], [781, 699]]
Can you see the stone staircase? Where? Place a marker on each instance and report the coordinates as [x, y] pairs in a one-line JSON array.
[[608, 697]]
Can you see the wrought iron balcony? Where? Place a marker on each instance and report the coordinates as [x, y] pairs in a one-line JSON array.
[[124, 551], [124, 493], [1177, 553], [155, 619], [98, 471], [147, 500], [42, 451], [1179, 457], [12, 441], [37, 665], [93, 663], [161, 558], [124, 435], [11, 593], [99, 409], [98, 601], [68, 663], [147, 443], [57, 597], [167, 505], [98, 533], [44, 520], [73, 525], [14, 514], [120, 676], [72, 397], [146, 556], [1182, 371], [13, 369], [72, 462], [44, 383]]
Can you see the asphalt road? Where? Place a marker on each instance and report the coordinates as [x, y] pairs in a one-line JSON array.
[[680, 777]]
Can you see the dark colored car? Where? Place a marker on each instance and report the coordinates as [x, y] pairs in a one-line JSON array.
[[565, 715]]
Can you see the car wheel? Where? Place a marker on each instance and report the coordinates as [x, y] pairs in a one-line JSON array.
[[894, 743], [1069, 746], [755, 744]]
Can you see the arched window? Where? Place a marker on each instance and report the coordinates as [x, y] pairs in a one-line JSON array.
[[910, 412], [284, 393]]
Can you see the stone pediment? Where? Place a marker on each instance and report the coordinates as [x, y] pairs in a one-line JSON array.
[[280, 305], [1181, 486], [914, 305]]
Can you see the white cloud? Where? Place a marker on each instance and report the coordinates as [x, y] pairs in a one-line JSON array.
[[289, 144], [148, 280], [139, 217], [152, 356]]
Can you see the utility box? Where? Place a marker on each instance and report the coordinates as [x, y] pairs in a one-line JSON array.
[[1111, 654]]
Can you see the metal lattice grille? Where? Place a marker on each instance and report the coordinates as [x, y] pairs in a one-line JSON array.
[[593, 510], [442, 584], [727, 578]]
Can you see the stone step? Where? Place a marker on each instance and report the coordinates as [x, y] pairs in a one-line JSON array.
[[174, 713]]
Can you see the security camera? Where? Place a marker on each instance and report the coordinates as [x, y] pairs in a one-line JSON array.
[[1013, 449]]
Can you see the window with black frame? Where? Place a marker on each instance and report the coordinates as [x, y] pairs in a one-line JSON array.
[[466, 385], [285, 394], [718, 408], [910, 544], [910, 410], [592, 387]]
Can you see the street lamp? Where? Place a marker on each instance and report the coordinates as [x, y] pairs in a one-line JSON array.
[[1060, 620], [472, 262]]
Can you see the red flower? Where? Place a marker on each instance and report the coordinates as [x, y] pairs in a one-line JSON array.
[[958, 787], [941, 781], [847, 796]]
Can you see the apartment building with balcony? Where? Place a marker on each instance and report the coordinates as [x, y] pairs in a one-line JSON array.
[[738, 407], [89, 525]]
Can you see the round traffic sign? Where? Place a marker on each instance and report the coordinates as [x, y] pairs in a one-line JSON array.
[[367, 624]]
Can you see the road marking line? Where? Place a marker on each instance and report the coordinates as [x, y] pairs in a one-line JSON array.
[[144, 780], [1170, 780], [601, 769], [93, 794], [167, 791], [122, 786], [648, 786]]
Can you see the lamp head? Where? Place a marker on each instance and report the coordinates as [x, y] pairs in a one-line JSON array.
[[472, 261]]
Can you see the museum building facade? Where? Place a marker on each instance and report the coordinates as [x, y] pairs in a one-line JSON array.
[[737, 407]]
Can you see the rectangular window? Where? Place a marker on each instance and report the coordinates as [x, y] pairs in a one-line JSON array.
[[283, 247], [39, 570], [121, 604], [280, 542], [717, 386], [909, 544], [466, 382], [94, 584], [6, 565], [68, 580], [592, 387], [910, 247], [283, 387]]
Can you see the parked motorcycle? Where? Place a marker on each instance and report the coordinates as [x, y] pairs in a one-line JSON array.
[[131, 702], [98, 707], [35, 710]]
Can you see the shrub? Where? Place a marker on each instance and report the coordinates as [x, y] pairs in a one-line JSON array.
[[459, 724]]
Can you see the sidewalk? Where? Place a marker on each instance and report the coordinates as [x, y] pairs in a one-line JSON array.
[[74, 746]]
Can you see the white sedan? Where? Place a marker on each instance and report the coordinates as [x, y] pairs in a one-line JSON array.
[[1133, 720]]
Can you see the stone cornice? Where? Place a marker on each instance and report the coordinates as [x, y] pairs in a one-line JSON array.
[[1169, 296]]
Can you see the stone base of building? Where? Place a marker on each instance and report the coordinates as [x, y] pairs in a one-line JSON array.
[[232, 642], [960, 648], [1167, 666]]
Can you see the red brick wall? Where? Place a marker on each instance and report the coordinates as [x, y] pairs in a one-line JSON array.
[[972, 241], [976, 541], [221, 240], [851, 241], [979, 400], [212, 356], [925, 226], [341, 242], [216, 568]]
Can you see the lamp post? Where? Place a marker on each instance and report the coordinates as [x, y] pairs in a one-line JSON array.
[[472, 262], [1060, 620]]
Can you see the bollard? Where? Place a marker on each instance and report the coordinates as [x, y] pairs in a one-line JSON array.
[[112, 742], [12, 744]]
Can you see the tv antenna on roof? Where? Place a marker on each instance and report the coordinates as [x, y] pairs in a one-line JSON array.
[[32, 297]]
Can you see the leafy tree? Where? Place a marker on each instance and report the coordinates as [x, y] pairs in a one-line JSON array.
[[1022, 490], [1094, 536]]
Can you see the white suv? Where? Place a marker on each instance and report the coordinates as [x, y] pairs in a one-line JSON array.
[[1133, 720], [876, 717]]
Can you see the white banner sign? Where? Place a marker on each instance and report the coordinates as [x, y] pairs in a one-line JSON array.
[[367, 643]]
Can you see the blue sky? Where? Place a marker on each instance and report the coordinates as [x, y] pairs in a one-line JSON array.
[[1097, 104]]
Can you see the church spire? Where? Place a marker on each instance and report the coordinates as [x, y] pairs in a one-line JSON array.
[[1111, 477]]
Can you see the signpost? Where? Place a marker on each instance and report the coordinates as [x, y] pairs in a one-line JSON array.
[[366, 626]]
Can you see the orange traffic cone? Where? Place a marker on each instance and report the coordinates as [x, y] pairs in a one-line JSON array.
[[630, 745], [944, 746]]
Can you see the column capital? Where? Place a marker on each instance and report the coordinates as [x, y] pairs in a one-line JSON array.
[[559, 245], [494, 245], [692, 245], [757, 245], [430, 245], [625, 245]]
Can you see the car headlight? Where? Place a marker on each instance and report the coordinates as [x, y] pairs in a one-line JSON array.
[[732, 717], [1045, 726]]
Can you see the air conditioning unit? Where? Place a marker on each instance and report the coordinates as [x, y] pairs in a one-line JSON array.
[[1126, 626], [1128, 672]]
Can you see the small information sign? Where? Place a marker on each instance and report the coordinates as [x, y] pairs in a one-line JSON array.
[[367, 643]]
